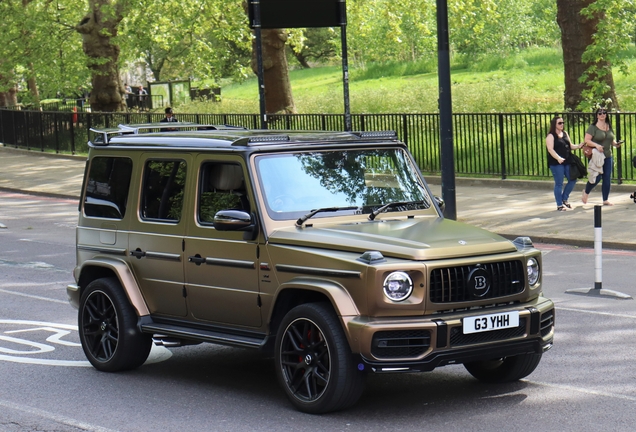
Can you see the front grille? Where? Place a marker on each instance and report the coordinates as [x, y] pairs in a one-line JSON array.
[[458, 337], [450, 285], [547, 322], [400, 343]]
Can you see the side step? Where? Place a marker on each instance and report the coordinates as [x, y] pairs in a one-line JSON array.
[[171, 335]]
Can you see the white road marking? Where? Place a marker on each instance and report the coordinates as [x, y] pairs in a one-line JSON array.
[[54, 417], [33, 296], [596, 312], [157, 353], [583, 390]]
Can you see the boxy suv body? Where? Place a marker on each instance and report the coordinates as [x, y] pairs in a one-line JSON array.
[[326, 247]]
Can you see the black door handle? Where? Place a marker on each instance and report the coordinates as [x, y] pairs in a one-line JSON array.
[[138, 253], [197, 259]]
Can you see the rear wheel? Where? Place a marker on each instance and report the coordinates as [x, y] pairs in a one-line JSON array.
[[314, 364], [504, 369], [108, 328]]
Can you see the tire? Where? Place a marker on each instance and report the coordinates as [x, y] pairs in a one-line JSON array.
[[314, 364], [108, 330], [505, 369]]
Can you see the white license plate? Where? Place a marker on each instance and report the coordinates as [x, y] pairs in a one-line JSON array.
[[484, 323]]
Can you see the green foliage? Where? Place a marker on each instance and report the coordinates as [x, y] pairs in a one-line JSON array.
[[614, 35], [176, 43], [38, 41]]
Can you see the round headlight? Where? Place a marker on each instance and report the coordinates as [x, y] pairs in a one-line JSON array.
[[533, 271], [398, 286]]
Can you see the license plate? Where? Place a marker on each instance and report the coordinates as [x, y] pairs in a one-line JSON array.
[[484, 323]]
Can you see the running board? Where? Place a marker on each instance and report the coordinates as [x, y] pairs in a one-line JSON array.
[[172, 333]]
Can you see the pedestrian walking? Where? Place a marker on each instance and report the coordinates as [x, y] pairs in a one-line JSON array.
[[600, 136], [169, 118], [560, 148]]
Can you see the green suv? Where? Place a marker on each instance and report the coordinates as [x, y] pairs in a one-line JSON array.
[[325, 248]]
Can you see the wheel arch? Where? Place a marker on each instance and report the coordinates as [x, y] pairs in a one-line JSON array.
[[306, 290], [101, 268]]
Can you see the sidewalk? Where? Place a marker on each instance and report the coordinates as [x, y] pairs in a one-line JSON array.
[[508, 207]]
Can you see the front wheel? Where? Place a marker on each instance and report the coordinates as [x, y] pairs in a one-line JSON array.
[[504, 369], [108, 328], [314, 364]]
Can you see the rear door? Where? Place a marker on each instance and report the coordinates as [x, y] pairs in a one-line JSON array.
[[157, 233]]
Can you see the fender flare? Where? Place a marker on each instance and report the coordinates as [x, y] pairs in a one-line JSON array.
[[337, 294], [126, 279]]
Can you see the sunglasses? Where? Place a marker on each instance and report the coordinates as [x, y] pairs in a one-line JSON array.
[[559, 123], [602, 113]]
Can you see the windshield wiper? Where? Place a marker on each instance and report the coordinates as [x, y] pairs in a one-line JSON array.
[[375, 213], [302, 220]]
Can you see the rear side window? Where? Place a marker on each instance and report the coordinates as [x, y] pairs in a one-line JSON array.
[[107, 187], [162, 196]]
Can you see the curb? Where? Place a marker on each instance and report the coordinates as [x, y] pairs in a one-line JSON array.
[[3, 147], [522, 184], [41, 194]]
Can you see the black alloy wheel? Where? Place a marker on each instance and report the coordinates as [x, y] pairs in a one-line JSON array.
[[108, 328], [314, 362]]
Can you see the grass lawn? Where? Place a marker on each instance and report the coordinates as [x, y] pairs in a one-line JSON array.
[[529, 81]]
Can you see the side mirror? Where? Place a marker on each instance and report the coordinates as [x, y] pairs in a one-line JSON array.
[[232, 220], [440, 203]]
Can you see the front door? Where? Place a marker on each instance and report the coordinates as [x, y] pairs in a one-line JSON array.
[[221, 271]]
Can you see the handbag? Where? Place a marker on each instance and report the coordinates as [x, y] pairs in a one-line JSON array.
[[587, 151], [577, 169]]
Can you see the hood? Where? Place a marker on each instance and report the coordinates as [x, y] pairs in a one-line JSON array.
[[416, 239]]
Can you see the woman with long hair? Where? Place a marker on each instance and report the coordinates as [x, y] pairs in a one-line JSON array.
[[559, 148], [600, 136]]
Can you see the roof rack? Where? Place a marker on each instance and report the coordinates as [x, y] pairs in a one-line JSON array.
[[135, 129]]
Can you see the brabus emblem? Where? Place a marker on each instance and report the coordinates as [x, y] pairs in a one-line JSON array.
[[478, 282]]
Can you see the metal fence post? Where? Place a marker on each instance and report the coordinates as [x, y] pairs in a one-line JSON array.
[[619, 163], [502, 146], [72, 130]]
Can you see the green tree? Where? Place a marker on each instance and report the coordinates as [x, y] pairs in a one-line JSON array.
[[196, 38], [614, 27], [99, 28]]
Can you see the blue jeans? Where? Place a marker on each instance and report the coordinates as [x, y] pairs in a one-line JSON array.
[[607, 179], [559, 172]]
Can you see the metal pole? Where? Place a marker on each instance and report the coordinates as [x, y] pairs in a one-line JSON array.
[[345, 64], [259, 62], [598, 249], [445, 111]]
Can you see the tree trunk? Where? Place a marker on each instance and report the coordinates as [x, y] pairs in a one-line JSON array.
[[278, 93], [33, 86], [577, 34], [98, 28], [301, 59], [9, 98]]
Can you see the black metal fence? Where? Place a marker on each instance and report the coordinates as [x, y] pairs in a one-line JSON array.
[[485, 145]]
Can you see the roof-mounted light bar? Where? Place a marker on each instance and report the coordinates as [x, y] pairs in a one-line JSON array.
[[375, 134], [261, 139]]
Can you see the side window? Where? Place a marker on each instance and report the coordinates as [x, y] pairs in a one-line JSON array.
[[107, 187], [222, 187], [163, 186]]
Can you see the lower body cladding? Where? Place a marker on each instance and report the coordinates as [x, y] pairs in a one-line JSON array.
[[425, 343]]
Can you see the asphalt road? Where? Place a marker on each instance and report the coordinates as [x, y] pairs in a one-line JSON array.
[[585, 383]]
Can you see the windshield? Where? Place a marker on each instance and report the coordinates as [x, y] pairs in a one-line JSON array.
[[295, 184]]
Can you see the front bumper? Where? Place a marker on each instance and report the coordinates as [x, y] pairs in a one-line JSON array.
[[424, 343]]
